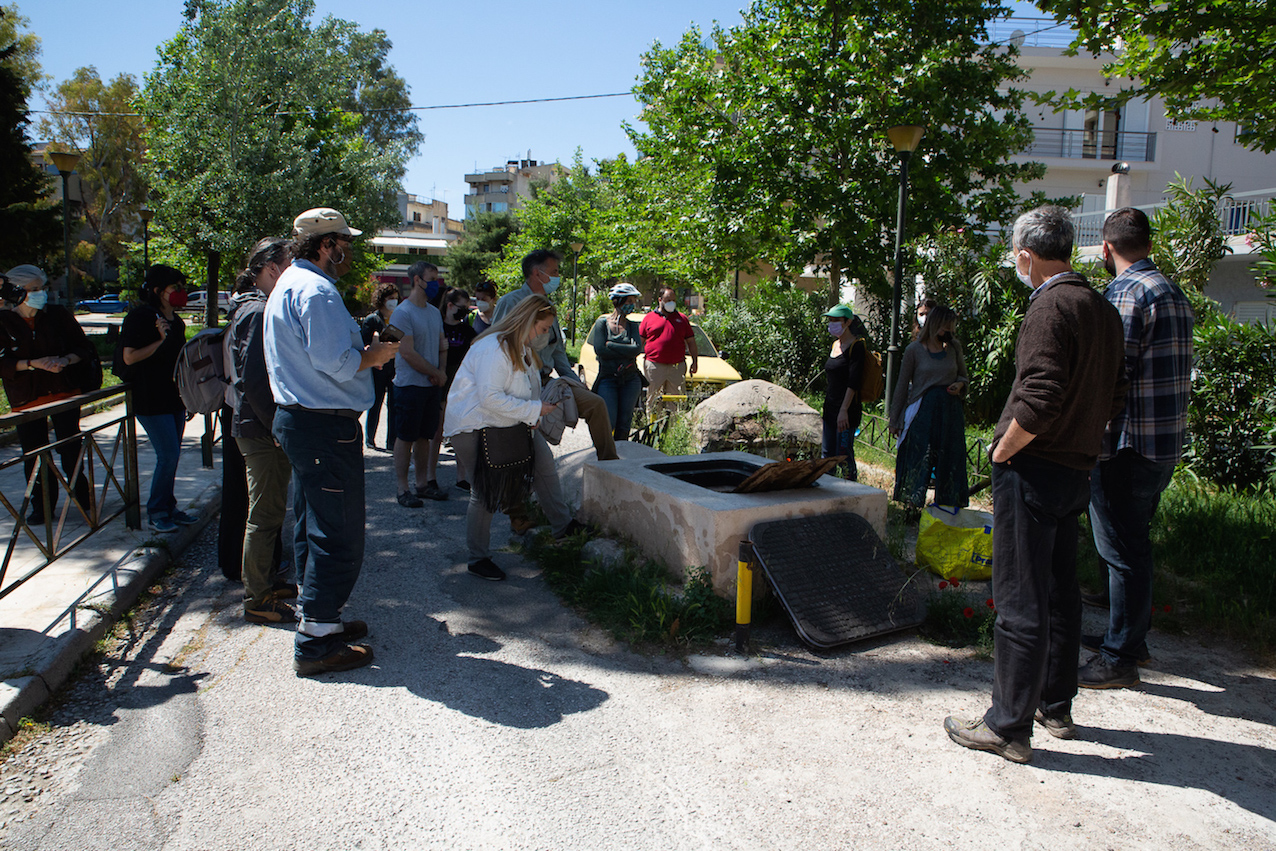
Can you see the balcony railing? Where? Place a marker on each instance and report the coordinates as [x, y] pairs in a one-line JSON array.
[[1092, 144], [1236, 213]]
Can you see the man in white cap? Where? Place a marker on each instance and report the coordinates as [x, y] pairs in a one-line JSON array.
[[320, 378]]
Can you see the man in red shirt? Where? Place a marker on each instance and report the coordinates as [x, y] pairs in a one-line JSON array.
[[669, 338]]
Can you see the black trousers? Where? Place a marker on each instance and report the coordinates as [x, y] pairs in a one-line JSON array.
[[33, 435], [1034, 583]]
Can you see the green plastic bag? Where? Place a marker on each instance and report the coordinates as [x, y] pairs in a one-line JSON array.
[[955, 542]]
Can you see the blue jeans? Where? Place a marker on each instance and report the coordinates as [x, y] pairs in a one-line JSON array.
[[620, 395], [326, 453], [165, 433], [1037, 635], [1124, 494]]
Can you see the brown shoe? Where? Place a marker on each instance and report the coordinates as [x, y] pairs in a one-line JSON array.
[[522, 524], [1059, 726], [976, 735], [270, 610], [350, 656]]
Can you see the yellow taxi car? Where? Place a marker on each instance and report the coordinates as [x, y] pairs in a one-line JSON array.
[[712, 372]]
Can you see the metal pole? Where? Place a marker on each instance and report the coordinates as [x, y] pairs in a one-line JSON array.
[[892, 351], [66, 229], [575, 281], [146, 244]]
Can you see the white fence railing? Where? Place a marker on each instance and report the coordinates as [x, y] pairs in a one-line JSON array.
[[1236, 213]]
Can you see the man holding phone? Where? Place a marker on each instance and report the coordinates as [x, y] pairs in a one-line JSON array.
[[419, 376]]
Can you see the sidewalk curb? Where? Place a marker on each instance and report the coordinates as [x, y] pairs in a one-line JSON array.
[[21, 696]]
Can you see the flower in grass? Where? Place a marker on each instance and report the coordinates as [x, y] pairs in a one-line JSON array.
[[952, 580], [1168, 608], [943, 583], [990, 604], [968, 612]]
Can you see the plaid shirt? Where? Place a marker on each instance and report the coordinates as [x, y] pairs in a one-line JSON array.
[[1158, 362]]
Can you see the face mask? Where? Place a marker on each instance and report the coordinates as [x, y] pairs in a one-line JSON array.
[[552, 284], [483, 306], [1109, 264], [540, 341], [391, 303], [1024, 277], [36, 300], [836, 328], [946, 337], [921, 320], [177, 298], [670, 306]]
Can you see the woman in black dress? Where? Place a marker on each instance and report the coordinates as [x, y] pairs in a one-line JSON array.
[[844, 370]]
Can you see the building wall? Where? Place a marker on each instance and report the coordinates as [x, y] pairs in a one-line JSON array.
[[502, 189]]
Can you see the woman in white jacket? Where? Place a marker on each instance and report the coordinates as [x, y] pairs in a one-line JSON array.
[[497, 386]]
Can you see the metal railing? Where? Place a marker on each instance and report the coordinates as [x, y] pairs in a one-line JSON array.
[[874, 432], [107, 460], [1092, 144], [1236, 213]]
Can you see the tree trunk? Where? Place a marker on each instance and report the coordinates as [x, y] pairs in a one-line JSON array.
[[210, 309]]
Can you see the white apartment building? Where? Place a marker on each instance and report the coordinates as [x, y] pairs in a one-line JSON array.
[[502, 188]]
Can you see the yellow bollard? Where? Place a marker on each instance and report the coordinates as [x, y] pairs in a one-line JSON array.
[[743, 596]]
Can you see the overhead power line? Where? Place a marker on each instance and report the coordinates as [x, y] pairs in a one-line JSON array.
[[378, 109]]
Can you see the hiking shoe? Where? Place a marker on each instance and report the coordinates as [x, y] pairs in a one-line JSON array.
[[432, 491], [976, 735], [1099, 601], [270, 610], [573, 528], [1059, 726], [353, 631], [485, 568], [1094, 643], [461, 484], [522, 524], [35, 518], [163, 524], [181, 518], [1100, 673], [409, 500], [350, 656]]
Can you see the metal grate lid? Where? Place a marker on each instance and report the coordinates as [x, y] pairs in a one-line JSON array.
[[836, 578]]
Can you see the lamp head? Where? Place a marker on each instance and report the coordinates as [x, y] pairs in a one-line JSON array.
[[906, 137], [63, 161]]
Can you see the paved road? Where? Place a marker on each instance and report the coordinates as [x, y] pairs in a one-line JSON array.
[[495, 718]]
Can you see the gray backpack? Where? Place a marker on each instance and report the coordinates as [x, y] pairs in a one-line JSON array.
[[200, 372]]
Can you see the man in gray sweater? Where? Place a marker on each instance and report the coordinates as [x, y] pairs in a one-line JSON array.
[[1069, 381]]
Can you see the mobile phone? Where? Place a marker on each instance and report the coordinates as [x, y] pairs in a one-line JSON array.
[[391, 334]]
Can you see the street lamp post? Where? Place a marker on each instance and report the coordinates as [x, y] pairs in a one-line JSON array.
[[577, 247], [905, 139], [65, 163], [147, 214]]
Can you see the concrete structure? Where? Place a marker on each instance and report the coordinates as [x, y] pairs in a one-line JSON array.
[[684, 524], [424, 228], [501, 189]]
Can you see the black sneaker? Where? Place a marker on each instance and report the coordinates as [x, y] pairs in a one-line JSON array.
[[269, 611], [1094, 643], [181, 518], [485, 568], [1059, 726], [409, 500], [461, 484], [350, 656], [432, 491], [1099, 673], [284, 590]]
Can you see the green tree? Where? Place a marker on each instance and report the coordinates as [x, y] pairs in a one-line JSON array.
[[30, 227], [482, 246], [1189, 233], [249, 120], [1209, 60], [91, 117], [783, 118]]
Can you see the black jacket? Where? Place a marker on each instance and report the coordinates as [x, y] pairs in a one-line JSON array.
[[56, 333], [245, 332]]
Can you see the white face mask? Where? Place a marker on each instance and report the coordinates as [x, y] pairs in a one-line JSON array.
[[391, 303], [1025, 277], [483, 305], [836, 328], [540, 341], [36, 300], [921, 320], [671, 306]]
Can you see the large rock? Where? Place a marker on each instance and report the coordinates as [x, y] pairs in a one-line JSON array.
[[757, 417]]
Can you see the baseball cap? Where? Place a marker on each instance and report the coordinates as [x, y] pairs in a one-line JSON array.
[[322, 220], [840, 311]]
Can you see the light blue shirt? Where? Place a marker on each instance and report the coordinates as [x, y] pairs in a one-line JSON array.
[[313, 345], [425, 326]]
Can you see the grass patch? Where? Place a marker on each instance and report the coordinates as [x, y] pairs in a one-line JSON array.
[[634, 599], [957, 618]]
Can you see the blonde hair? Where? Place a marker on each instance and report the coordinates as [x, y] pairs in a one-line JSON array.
[[516, 329]]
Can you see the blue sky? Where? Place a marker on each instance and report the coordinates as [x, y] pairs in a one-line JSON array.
[[466, 52]]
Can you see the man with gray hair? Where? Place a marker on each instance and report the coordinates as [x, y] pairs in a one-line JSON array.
[[1069, 381]]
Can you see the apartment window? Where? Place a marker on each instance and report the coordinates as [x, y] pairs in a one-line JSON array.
[[416, 217], [1099, 137]]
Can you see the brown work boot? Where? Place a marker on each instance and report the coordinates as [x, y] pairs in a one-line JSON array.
[[976, 735], [348, 657]]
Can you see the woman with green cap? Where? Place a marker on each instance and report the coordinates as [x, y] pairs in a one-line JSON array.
[[844, 370]]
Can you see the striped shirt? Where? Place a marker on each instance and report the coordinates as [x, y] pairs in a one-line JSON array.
[[1158, 363]]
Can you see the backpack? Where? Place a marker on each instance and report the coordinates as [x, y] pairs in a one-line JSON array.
[[872, 382], [200, 372]]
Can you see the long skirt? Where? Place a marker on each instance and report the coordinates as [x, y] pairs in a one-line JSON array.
[[935, 440]]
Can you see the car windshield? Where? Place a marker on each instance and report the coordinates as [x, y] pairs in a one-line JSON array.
[[703, 343]]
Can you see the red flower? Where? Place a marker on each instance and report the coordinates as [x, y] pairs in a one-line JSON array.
[[990, 603], [1168, 608], [942, 585], [952, 580], [968, 612]]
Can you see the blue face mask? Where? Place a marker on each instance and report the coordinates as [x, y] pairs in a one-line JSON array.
[[37, 300], [552, 284]]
